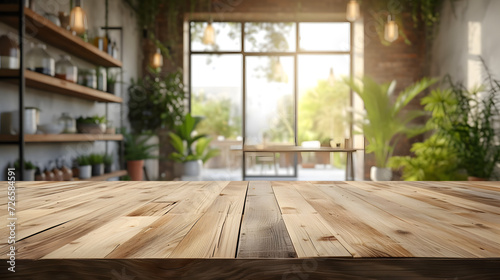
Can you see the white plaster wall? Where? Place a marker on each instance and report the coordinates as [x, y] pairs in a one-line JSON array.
[[468, 29], [52, 105]]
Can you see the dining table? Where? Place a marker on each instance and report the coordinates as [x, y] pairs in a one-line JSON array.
[[252, 230]]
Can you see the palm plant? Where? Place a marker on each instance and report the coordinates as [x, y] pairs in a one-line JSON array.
[[136, 147], [190, 147], [384, 121]]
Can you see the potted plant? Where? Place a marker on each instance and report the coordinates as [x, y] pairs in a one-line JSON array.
[[29, 170], [191, 150], [84, 167], [112, 80], [108, 163], [97, 162], [91, 125], [136, 151], [384, 121], [467, 119]]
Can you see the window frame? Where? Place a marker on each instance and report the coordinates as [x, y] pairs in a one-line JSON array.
[[295, 54]]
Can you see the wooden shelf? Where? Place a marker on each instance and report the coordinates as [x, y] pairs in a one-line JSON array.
[[46, 31], [55, 85], [58, 138], [107, 176]]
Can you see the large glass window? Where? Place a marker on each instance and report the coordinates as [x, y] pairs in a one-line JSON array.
[[278, 83]]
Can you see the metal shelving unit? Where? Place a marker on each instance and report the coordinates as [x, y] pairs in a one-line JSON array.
[[16, 15]]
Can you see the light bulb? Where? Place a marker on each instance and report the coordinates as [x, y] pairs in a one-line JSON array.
[[279, 72], [331, 78], [391, 33], [209, 35], [78, 19], [157, 59], [352, 13]]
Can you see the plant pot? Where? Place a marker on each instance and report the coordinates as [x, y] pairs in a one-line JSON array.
[[472, 178], [108, 168], [135, 171], [91, 128], [193, 168], [97, 169], [85, 172], [29, 175], [111, 88], [380, 174]]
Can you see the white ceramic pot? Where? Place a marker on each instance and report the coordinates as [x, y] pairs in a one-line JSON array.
[[29, 175], [30, 121], [85, 172], [193, 168], [380, 174]]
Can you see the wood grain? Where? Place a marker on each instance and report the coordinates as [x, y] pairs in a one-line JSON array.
[[263, 269], [263, 232], [256, 230], [310, 234]]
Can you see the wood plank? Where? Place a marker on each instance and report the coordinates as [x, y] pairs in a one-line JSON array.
[[263, 232], [446, 212], [311, 237], [62, 87], [103, 240], [262, 269], [389, 219], [364, 241], [46, 31], [216, 233], [58, 138], [162, 236], [90, 215]]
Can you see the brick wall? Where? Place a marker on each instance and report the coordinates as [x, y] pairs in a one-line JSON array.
[[402, 62]]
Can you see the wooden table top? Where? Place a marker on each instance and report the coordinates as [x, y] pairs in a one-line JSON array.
[[256, 220]]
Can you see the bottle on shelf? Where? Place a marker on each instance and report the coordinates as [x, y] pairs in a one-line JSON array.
[[9, 53], [100, 41], [66, 70], [101, 79], [39, 60]]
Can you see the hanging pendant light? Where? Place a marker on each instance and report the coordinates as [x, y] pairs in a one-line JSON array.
[[157, 61], [78, 19], [352, 13], [209, 34], [391, 33], [331, 77], [278, 72]]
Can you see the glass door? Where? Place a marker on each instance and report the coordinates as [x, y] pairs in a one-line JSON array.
[[269, 114]]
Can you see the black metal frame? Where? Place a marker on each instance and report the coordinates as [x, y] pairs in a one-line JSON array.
[[122, 144], [20, 141], [295, 55]]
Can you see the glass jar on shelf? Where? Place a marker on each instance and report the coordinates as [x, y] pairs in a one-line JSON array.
[[101, 79], [68, 123], [9, 53], [39, 60], [66, 70], [91, 79]]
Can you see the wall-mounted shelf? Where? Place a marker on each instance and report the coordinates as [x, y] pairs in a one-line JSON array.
[[46, 31], [107, 176], [55, 85], [57, 138]]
